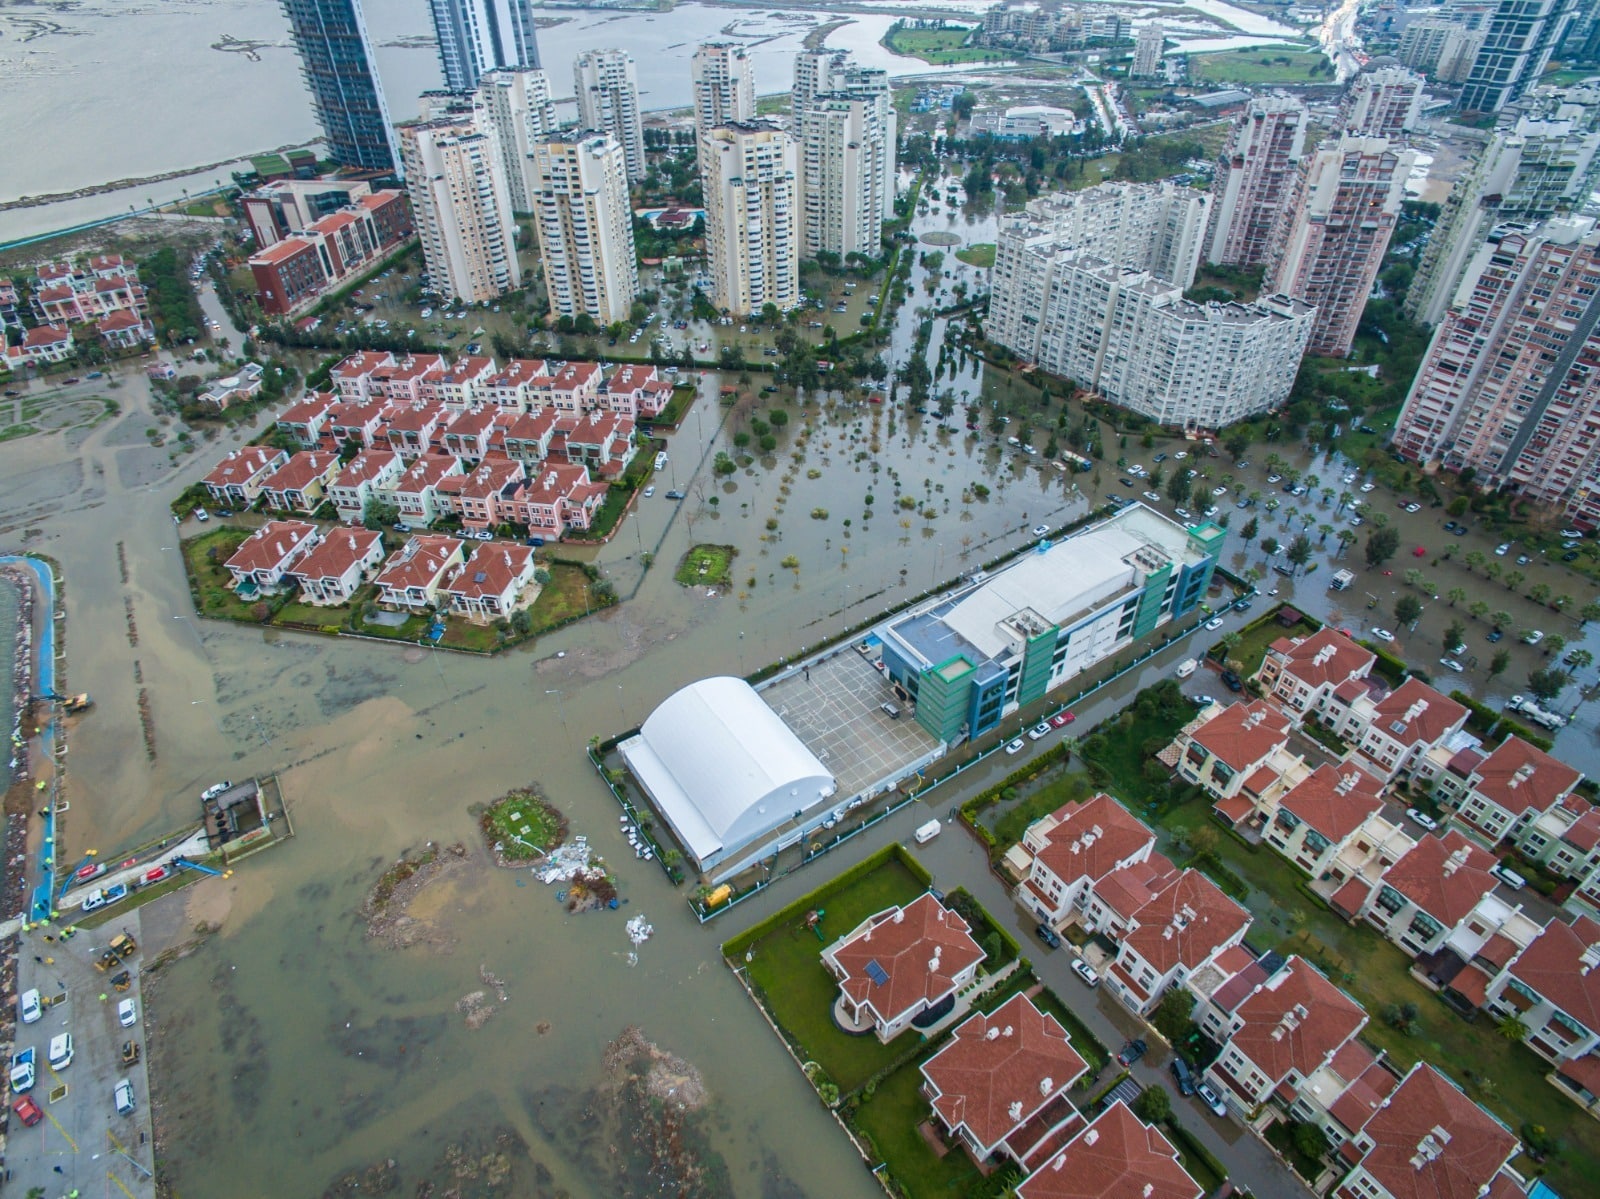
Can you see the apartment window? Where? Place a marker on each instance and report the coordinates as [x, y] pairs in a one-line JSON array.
[[1389, 899]]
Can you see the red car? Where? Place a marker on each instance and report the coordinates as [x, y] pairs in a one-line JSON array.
[[92, 870], [1061, 720], [28, 1110], [1419, 552], [156, 875]]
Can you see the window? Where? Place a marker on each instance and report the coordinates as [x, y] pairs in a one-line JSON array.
[[1390, 900]]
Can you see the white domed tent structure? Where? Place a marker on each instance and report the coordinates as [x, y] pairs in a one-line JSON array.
[[724, 770]]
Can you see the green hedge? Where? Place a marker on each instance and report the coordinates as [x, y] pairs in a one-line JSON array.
[[966, 905], [1194, 1148], [1481, 718]]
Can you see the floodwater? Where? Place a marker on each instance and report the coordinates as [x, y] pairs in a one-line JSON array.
[[291, 1046]]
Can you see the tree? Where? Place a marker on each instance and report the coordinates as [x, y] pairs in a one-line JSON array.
[[1498, 663], [1477, 609], [1407, 609], [1456, 595], [1539, 593], [1381, 545], [1554, 644], [1251, 528], [1454, 635], [1578, 659], [1589, 612], [1269, 545], [1514, 579], [1474, 559], [1154, 1105], [1500, 619], [1347, 538], [1178, 487], [378, 515], [1512, 1028], [1310, 1141], [1546, 684], [1299, 551]]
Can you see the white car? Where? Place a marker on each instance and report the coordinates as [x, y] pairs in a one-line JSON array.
[[1219, 491], [1422, 818], [1211, 1099], [1274, 478], [94, 900], [1153, 497], [214, 790], [1502, 549], [1413, 507], [1451, 664], [1383, 634], [1533, 637], [1213, 624], [649, 491], [1042, 729], [1368, 486], [1041, 530], [28, 1006], [1086, 972], [1015, 747]]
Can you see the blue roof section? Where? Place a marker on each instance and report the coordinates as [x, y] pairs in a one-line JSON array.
[[1543, 1190], [929, 636]]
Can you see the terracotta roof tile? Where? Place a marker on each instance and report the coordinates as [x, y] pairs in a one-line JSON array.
[[1414, 713], [1332, 801], [1444, 876], [1555, 966], [337, 553], [1240, 735], [1091, 838], [1198, 916], [1327, 656], [1116, 1157], [1519, 777], [272, 545], [920, 948]]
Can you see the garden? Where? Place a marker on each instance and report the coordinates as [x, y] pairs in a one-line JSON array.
[[522, 826], [707, 565]]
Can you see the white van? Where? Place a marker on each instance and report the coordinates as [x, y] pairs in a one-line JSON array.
[[61, 1051], [1188, 667], [122, 1096], [928, 832]]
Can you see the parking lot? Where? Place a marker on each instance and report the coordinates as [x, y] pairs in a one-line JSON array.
[[835, 707], [80, 1144]]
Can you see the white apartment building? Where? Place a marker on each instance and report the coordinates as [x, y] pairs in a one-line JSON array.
[[844, 121], [476, 36], [1384, 100], [724, 86], [516, 109], [1341, 218], [462, 208], [585, 227], [1147, 49], [1441, 48], [1148, 227], [749, 174], [1254, 179], [608, 102]]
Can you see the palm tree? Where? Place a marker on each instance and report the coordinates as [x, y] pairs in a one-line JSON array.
[[1561, 603], [1554, 644], [1474, 559], [1477, 609], [1311, 482], [1379, 519], [1513, 579], [1512, 1028], [1578, 659], [1323, 531], [1500, 620], [1228, 641], [1539, 593], [1456, 595], [1346, 538], [1493, 571], [1590, 611], [1344, 501], [1327, 496]]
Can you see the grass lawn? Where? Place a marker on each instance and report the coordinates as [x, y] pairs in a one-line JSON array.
[[298, 612], [1121, 751], [524, 824], [1067, 787], [981, 254], [940, 47], [799, 992], [890, 1120], [564, 597], [711, 565], [1255, 638], [1259, 66], [210, 580]]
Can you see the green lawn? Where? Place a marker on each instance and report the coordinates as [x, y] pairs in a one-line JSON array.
[[941, 47], [1121, 749], [711, 565], [1255, 638], [564, 597], [210, 581], [786, 967], [981, 254], [1067, 787], [1259, 66], [890, 1118], [524, 824]]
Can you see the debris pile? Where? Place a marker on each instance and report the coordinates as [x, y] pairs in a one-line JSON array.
[[565, 863], [639, 930]]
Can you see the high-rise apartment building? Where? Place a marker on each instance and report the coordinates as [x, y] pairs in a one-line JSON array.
[[1518, 42], [1134, 339], [1510, 385], [1384, 100], [461, 206], [341, 73], [1537, 169], [1340, 220], [844, 121], [1147, 48], [749, 173], [1255, 177], [476, 36], [608, 102], [585, 227], [724, 86], [1440, 48], [516, 109], [1154, 227]]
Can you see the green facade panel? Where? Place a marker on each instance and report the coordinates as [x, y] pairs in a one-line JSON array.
[[942, 697], [1035, 680], [1155, 588]]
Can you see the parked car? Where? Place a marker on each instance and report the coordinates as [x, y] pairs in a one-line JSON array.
[[28, 1006], [1042, 729], [674, 495], [122, 1097], [214, 790], [1213, 624], [1508, 876], [201, 515], [27, 1111], [94, 901], [1132, 1052], [1383, 634], [1211, 1099], [1572, 534], [1048, 935], [1413, 507], [1496, 634], [1502, 549], [1201, 701], [1086, 972], [1184, 1075], [1451, 664], [649, 491], [1061, 719], [1422, 818], [1015, 747], [1041, 530], [400, 526], [1533, 637], [1232, 681]]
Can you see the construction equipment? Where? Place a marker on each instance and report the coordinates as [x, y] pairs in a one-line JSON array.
[[186, 864], [81, 702], [107, 961], [124, 946], [130, 1052], [122, 981]]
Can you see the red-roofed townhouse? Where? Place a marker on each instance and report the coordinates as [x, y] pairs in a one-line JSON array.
[[416, 492], [1277, 1035], [999, 1086], [304, 421], [301, 483], [355, 421], [1236, 744], [602, 441], [1111, 904], [1178, 931], [558, 497], [369, 475], [574, 387], [1116, 1157], [1428, 1141], [356, 375], [412, 428], [262, 561], [636, 392], [125, 329], [1553, 988], [1341, 1094], [899, 964], [458, 387], [470, 433], [490, 493], [407, 381], [1318, 817], [1565, 839], [528, 435], [41, 344], [1509, 790], [1303, 673], [1394, 733], [1430, 892], [1063, 855], [237, 480], [65, 294], [412, 576], [507, 390], [492, 582], [331, 573]]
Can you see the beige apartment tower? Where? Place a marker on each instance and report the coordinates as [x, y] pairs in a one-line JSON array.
[[517, 111], [844, 121], [585, 227], [749, 173], [724, 86], [608, 102], [462, 208]]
